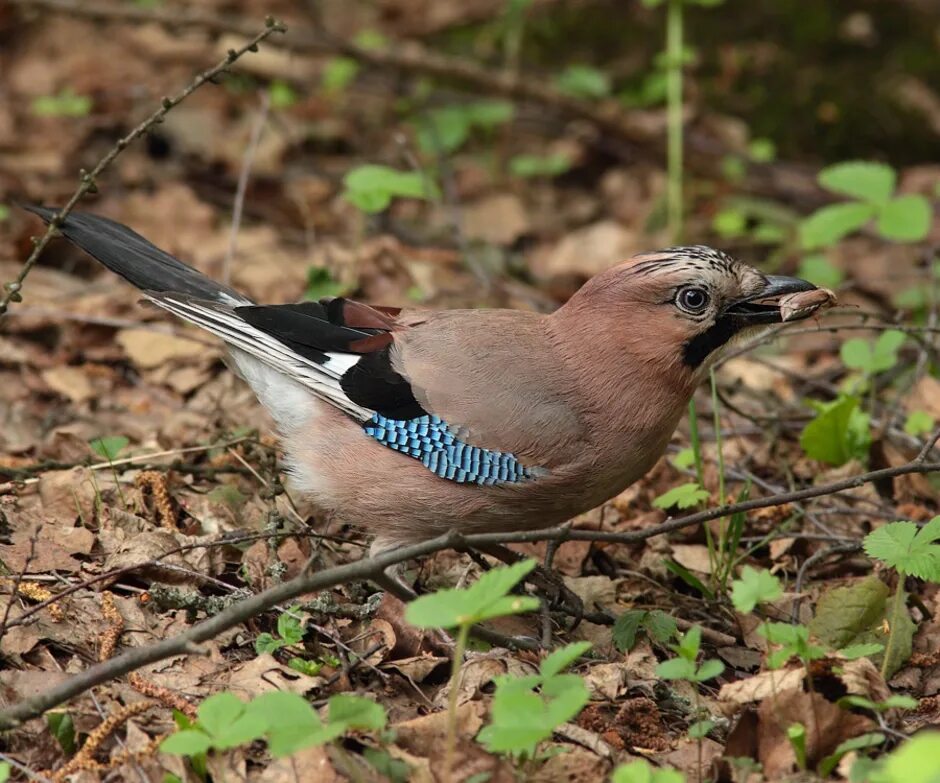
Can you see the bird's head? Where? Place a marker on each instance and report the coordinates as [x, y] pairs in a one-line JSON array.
[[679, 306]]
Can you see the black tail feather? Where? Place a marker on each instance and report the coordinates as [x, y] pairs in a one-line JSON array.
[[138, 261]]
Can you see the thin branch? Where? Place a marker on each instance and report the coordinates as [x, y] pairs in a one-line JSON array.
[[374, 568], [88, 179], [242, 186]]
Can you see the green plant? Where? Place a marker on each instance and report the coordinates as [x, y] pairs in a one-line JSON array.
[[63, 729], [753, 588], [4, 772], [372, 187], [487, 598], [914, 761], [871, 186], [320, 284], [284, 720], [870, 357], [530, 166], [919, 423], [526, 710], [583, 81], [4, 212], [109, 448], [839, 432], [816, 268], [67, 103], [658, 626], [281, 94], [446, 130], [338, 74], [911, 551], [289, 631], [792, 641], [643, 772], [683, 496]]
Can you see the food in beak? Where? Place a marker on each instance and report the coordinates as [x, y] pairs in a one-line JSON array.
[[806, 303]]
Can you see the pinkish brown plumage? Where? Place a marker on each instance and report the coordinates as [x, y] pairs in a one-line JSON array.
[[411, 423]]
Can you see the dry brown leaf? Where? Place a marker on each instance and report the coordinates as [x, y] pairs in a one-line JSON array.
[[499, 219], [147, 348], [309, 764], [70, 382], [263, 674], [692, 556], [759, 687]]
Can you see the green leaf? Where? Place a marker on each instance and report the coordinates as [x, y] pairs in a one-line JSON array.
[[700, 729], [660, 626], [856, 354], [289, 626], [66, 104], [63, 729], [828, 225], [562, 658], [281, 94], [310, 668], [855, 651], [762, 150], [861, 742], [796, 733], [356, 712], [292, 724], [820, 271], [625, 629], [4, 212], [246, 728], [109, 448], [753, 588], [266, 643], [218, 712], [485, 599], [907, 548], [852, 614], [676, 669], [684, 459], [729, 223], [371, 187], [188, 742], [709, 670], [583, 81], [885, 352], [527, 166], [338, 74], [905, 219], [684, 496], [4, 772], [642, 772], [914, 761], [874, 182], [689, 578], [839, 432], [919, 423]]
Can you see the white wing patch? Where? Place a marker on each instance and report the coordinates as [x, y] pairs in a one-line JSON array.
[[218, 318]]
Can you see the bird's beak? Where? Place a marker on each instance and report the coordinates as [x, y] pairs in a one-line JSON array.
[[763, 307]]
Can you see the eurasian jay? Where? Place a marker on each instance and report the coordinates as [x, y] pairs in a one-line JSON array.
[[410, 423]]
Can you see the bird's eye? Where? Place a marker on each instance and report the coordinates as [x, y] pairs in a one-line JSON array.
[[692, 300]]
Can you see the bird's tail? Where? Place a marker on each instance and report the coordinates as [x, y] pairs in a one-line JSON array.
[[138, 261]]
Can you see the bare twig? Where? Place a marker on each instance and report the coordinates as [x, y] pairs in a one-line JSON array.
[[374, 568], [18, 579], [88, 179], [242, 186]]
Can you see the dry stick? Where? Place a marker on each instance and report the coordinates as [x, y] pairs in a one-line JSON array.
[[88, 178], [242, 186], [372, 568]]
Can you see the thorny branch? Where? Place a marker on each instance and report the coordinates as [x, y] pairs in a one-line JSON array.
[[374, 568], [88, 179]]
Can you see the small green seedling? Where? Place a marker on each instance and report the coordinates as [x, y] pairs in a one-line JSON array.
[[643, 772], [4, 772], [911, 551], [533, 166], [896, 701], [320, 284], [869, 358], [338, 74], [913, 761], [684, 666], [840, 431], [527, 710], [658, 626], [109, 448], [793, 642], [281, 94], [446, 130], [583, 81], [919, 423], [796, 734], [371, 188], [682, 497], [285, 720], [289, 631], [487, 598], [855, 744], [753, 588], [820, 271], [67, 103], [871, 186]]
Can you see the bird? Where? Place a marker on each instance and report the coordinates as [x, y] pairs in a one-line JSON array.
[[410, 423]]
